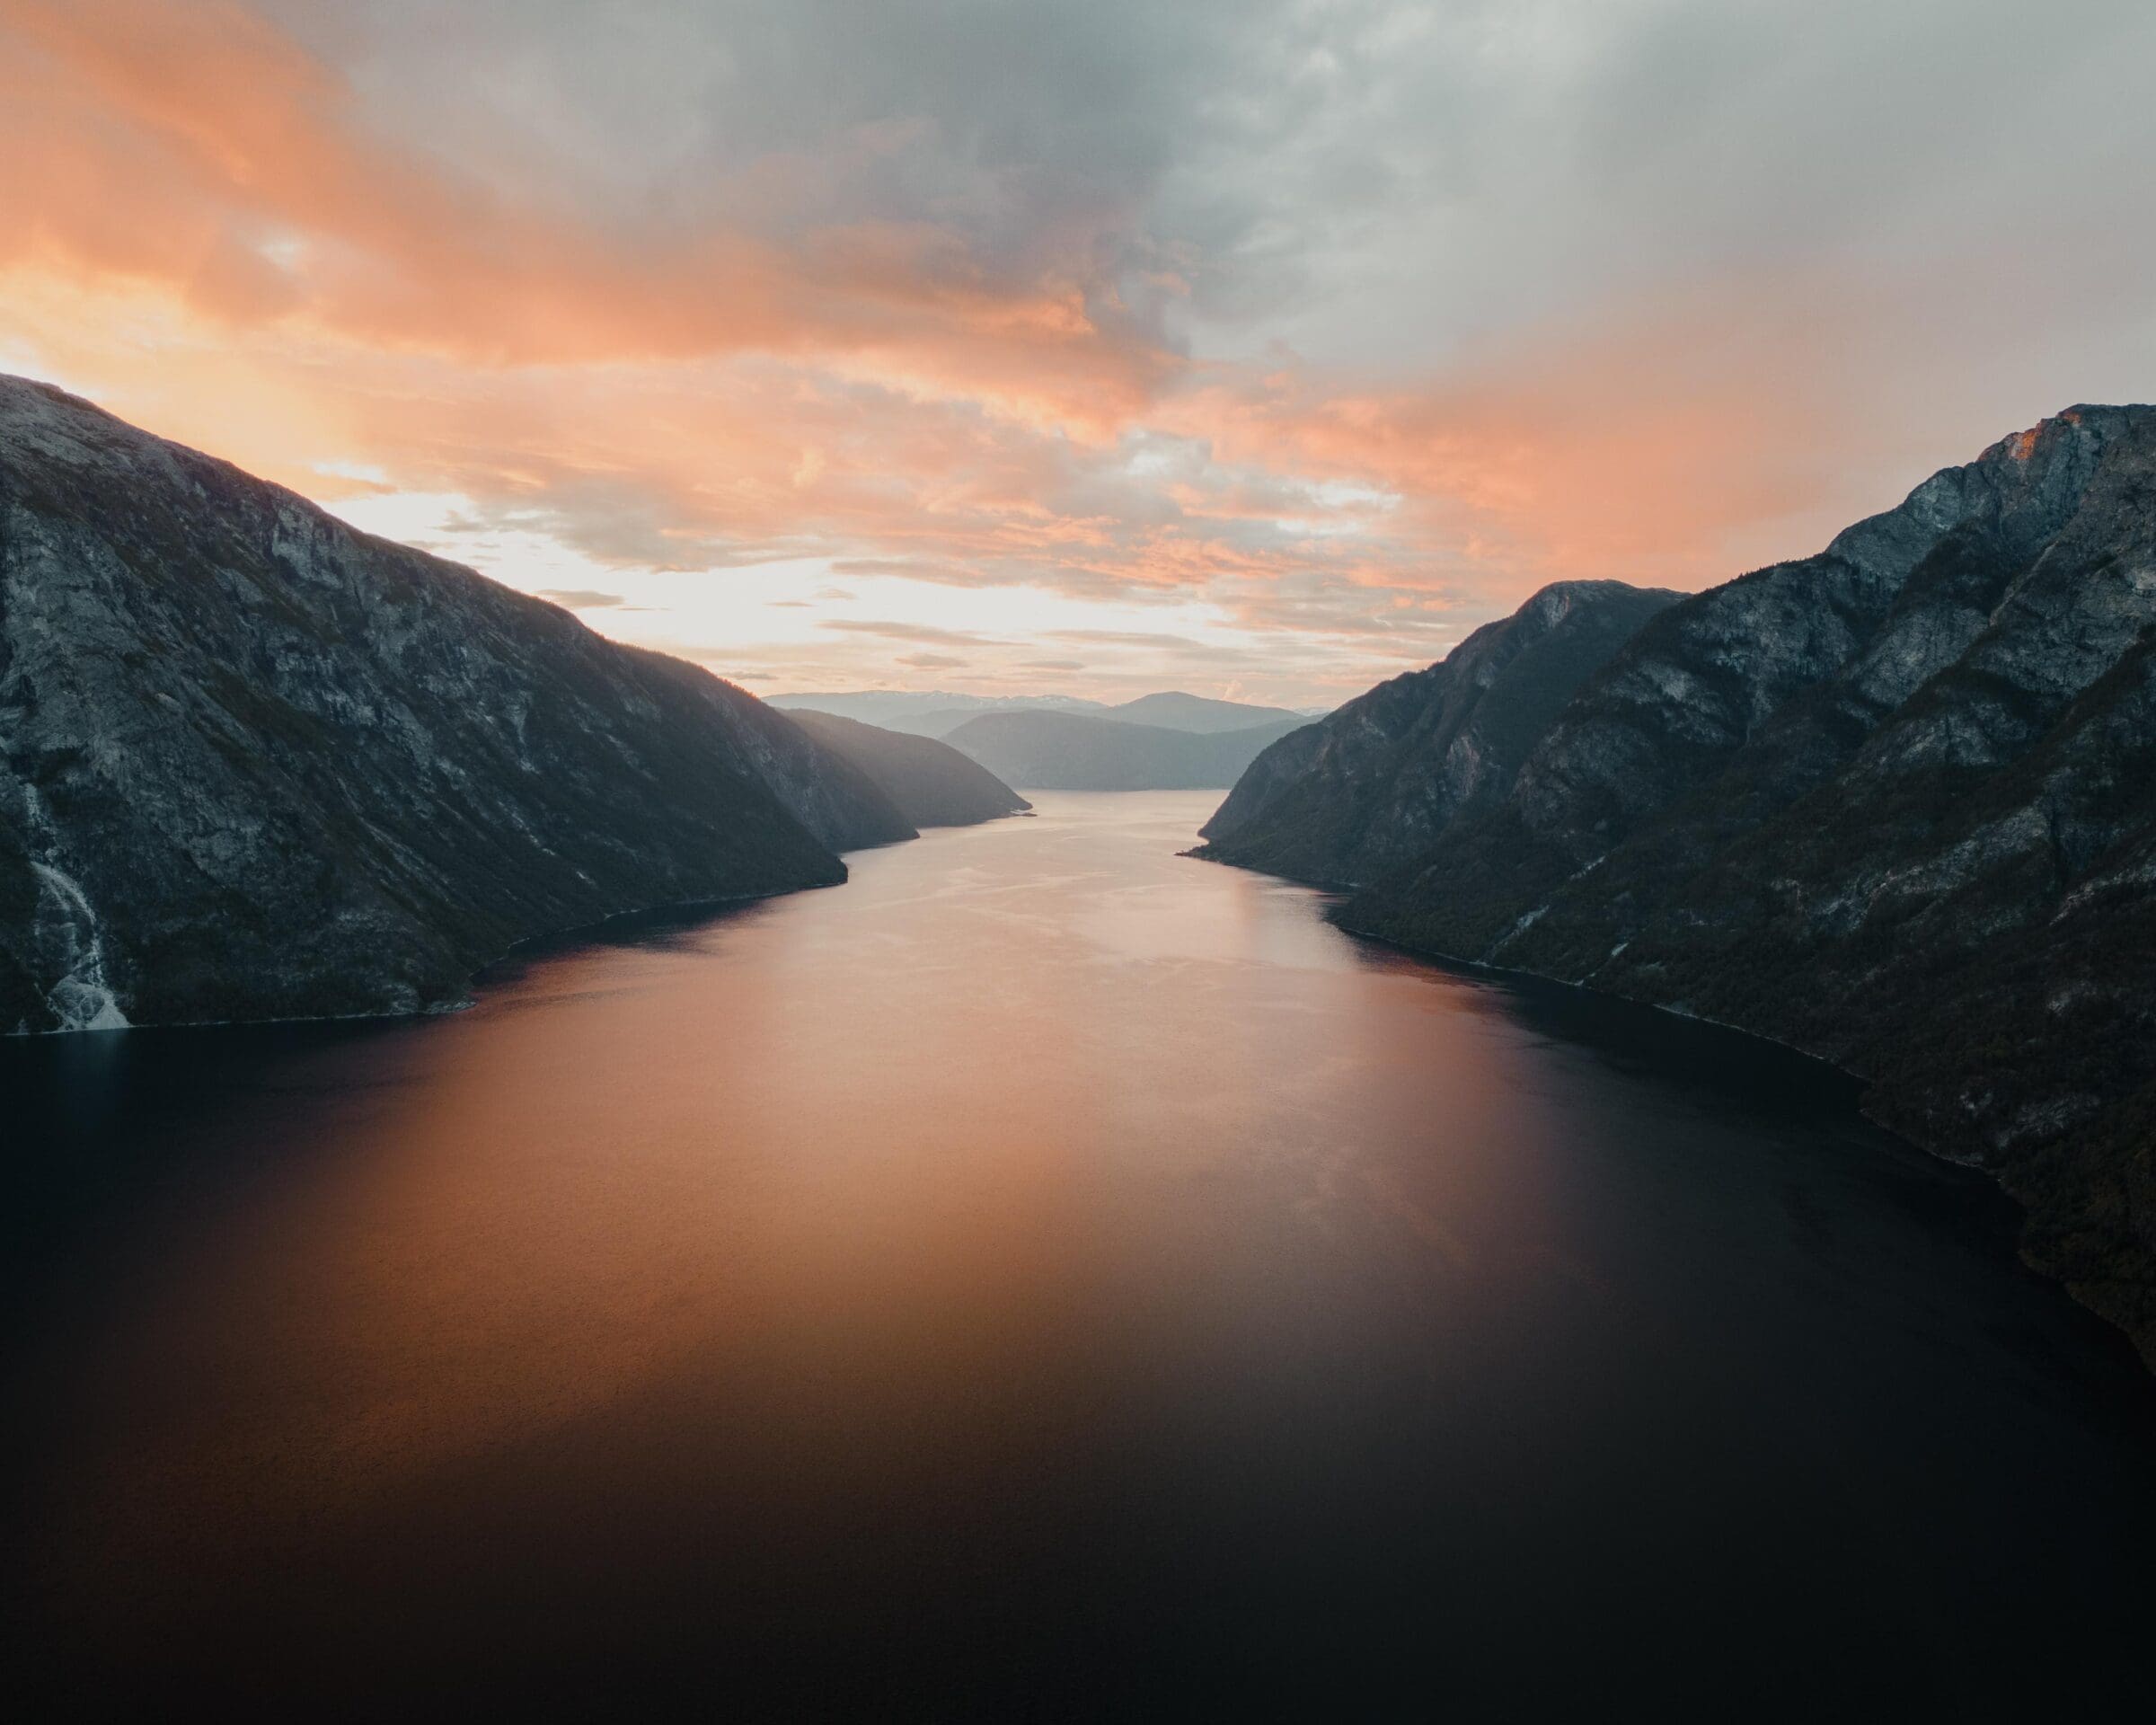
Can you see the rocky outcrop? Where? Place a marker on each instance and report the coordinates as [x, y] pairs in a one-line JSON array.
[[1343, 802], [1895, 804], [1063, 751], [254, 764], [931, 784]]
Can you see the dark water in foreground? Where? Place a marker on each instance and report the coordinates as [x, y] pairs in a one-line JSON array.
[[1044, 1277]]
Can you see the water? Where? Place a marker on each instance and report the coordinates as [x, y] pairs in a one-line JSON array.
[[1044, 1277]]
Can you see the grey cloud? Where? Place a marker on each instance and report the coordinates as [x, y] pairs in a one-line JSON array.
[[1180, 646], [907, 632], [1379, 180], [1121, 638], [1936, 209]]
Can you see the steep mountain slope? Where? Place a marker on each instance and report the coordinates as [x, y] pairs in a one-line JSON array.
[[1058, 751], [1895, 804], [930, 783], [1172, 710], [1368, 789], [254, 764]]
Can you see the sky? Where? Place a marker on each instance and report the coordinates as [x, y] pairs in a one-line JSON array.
[[1258, 348]]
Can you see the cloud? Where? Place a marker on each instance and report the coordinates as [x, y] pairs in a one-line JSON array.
[[213, 150], [932, 661], [1122, 638], [1356, 322], [1185, 647], [907, 632], [580, 599]]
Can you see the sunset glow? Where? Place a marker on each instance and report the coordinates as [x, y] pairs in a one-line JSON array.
[[1050, 349]]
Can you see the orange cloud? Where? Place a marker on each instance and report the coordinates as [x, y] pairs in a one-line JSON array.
[[206, 228], [196, 147], [1667, 443]]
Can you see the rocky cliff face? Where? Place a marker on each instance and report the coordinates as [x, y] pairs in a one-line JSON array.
[[254, 764], [1346, 800], [1895, 804]]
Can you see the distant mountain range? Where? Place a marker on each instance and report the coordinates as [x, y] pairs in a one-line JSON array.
[[932, 783], [1895, 804], [1175, 711], [1065, 751], [254, 764], [1165, 741], [901, 709], [937, 715]]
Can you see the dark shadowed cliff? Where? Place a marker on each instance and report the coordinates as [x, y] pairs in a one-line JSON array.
[[930, 783], [255, 763], [1341, 801], [1895, 804]]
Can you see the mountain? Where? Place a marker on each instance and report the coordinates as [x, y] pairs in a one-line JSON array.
[[1893, 804], [940, 721], [931, 783], [937, 715], [1345, 800], [1175, 711], [1060, 751], [254, 764], [925, 712]]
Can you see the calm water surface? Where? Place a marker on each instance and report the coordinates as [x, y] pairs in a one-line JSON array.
[[1044, 1277]]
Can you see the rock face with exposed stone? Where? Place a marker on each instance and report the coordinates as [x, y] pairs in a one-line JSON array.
[[1895, 804], [1343, 802], [254, 764]]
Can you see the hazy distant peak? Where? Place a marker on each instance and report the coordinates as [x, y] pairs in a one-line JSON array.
[[937, 712], [1173, 710], [906, 709]]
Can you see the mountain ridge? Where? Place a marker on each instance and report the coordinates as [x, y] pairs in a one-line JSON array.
[[1057, 751], [937, 715], [256, 763], [1343, 800], [1178, 710], [1893, 804], [899, 708], [931, 783]]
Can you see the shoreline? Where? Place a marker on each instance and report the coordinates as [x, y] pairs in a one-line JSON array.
[[2144, 1348]]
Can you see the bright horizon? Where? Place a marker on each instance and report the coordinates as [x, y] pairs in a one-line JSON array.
[[1259, 351]]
